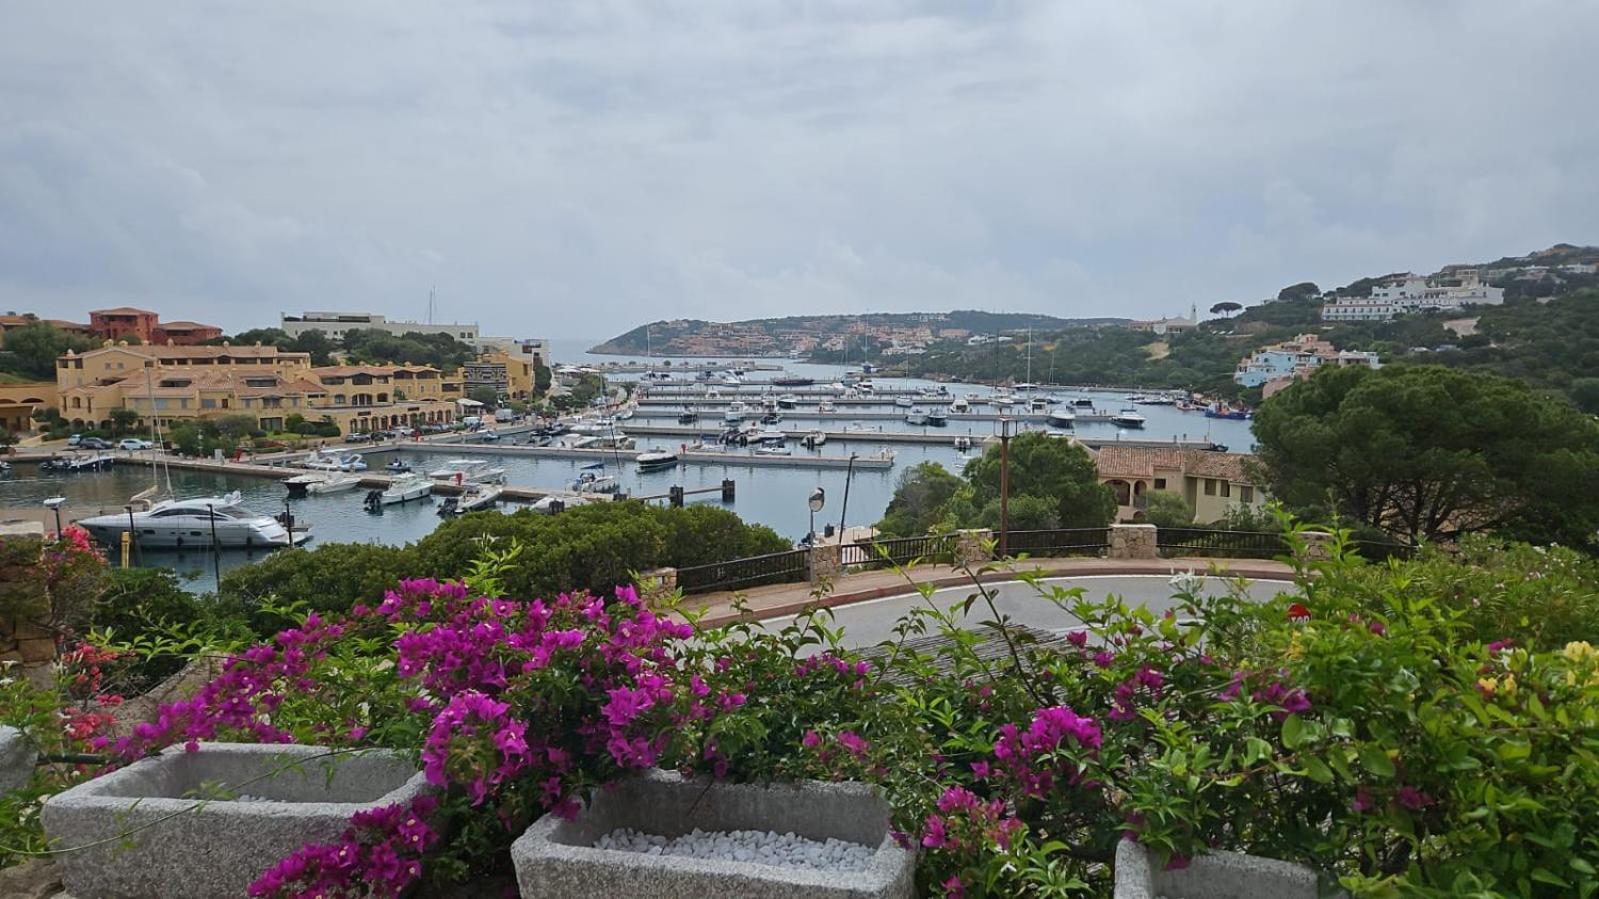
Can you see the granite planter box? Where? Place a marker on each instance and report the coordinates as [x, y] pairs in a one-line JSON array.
[[1215, 875], [176, 846], [17, 757], [556, 858]]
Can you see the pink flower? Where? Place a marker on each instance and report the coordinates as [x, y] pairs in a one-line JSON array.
[[853, 743]]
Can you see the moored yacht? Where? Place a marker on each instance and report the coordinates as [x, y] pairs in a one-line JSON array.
[[655, 460], [194, 523], [1128, 418], [335, 482], [1062, 418], [475, 471]]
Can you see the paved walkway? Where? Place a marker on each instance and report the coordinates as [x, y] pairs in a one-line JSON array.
[[779, 600]]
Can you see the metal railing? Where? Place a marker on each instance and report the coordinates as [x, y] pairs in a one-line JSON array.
[[897, 551], [1059, 542], [1230, 544], [775, 568]]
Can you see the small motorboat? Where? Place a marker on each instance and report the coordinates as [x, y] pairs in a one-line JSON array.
[[300, 484], [655, 460], [771, 418], [963, 443], [814, 439], [624, 415], [687, 417], [1083, 402], [1128, 418], [772, 449], [917, 418], [772, 437], [476, 498], [594, 480], [904, 402], [960, 406], [1222, 410], [463, 471], [403, 489], [397, 466], [788, 401], [937, 420], [1062, 418], [334, 483], [826, 407]]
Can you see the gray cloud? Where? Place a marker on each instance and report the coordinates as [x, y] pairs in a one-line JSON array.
[[573, 168]]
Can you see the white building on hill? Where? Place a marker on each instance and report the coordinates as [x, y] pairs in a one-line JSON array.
[[1413, 293]]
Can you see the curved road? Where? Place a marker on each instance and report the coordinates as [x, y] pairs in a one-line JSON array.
[[872, 621]]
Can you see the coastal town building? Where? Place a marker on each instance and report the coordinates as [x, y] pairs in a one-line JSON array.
[[1296, 358], [1211, 483], [1164, 326], [337, 324], [18, 402], [510, 377], [125, 322], [172, 383], [12, 320], [1407, 292]]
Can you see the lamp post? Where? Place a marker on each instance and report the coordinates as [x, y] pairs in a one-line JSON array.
[[1004, 486], [216, 550], [816, 502], [55, 503], [849, 473], [133, 538]]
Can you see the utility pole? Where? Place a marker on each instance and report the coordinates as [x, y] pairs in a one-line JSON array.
[[1004, 487]]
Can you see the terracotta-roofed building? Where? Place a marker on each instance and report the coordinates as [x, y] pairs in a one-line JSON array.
[[123, 321], [1211, 483], [185, 333]]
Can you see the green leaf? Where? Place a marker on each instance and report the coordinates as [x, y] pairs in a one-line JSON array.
[[1375, 760], [1318, 770], [1293, 731]]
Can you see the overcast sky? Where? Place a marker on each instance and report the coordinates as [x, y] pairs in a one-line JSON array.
[[573, 169]]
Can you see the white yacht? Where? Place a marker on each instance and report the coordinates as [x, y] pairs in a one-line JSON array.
[[734, 413], [192, 522], [772, 437], [788, 401], [904, 402], [960, 406], [1062, 418], [917, 418], [300, 484], [335, 483], [402, 489], [327, 461], [1128, 418], [468, 471], [595, 481], [475, 498], [655, 460], [814, 439]]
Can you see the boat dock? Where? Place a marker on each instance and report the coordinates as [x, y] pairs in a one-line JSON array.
[[896, 414], [700, 457], [932, 437]]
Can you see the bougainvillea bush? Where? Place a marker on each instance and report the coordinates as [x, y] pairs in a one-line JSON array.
[[1356, 724]]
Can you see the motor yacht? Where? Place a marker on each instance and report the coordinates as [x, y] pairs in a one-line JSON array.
[[474, 471], [1128, 418], [1062, 418], [655, 460], [177, 523], [595, 481], [937, 420], [960, 406], [403, 489], [335, 482], [917, 418]]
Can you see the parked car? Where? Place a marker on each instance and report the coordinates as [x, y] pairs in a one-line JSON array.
[[133, 444], [357, 438], [94, 443], [74, 440]]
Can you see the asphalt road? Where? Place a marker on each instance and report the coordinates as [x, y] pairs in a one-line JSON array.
[[872, 621]]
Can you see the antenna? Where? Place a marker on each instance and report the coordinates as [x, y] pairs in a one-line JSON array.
[[430, 303]]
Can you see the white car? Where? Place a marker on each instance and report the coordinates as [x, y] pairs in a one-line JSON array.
[[133, 444]]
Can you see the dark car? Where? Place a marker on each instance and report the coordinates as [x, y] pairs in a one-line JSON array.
[[94, 443], [357, 438]]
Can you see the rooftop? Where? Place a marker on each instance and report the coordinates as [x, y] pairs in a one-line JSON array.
[[1143, 462]]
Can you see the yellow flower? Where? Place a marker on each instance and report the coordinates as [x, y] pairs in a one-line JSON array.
[[1488, 685], [1579, 651], [1509, 685], [1295, 650]]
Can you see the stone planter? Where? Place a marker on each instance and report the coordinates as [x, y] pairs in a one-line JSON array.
[[17, 757], [1215, 875], [556, 859], [147, 835]]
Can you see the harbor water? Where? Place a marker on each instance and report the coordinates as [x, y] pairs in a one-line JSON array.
[[772, 495]]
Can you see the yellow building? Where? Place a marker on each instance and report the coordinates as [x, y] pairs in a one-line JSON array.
[[1211, 483], [18, 401], [173, 383], [113, 362], [366, 385], [509, 376]]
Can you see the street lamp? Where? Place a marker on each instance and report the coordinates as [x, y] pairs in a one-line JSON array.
[[56, 502], [1004, 486], [816, 502]]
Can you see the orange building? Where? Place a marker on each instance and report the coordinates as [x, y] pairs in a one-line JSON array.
[[124, 321]]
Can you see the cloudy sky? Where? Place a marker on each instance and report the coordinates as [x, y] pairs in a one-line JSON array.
[[573, 168]]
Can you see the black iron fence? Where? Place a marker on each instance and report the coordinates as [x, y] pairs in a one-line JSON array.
[[1230, 544], [1058, 542], [898, 551], [774, 568]]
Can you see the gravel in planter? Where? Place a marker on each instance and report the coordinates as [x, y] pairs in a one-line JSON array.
[[158, 828], [1214, 875], [761, 847], [560, 859]]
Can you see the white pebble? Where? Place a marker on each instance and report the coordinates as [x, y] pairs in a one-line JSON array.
[[749, 846]]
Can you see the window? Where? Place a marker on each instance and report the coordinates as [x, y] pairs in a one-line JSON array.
[[1160, 483], [1246, 493], [208, 404], [1210, 486], [1226, 488]]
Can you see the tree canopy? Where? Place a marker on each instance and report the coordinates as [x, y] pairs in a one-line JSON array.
[[1053, 484], [1427, 452], [31, 350]]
